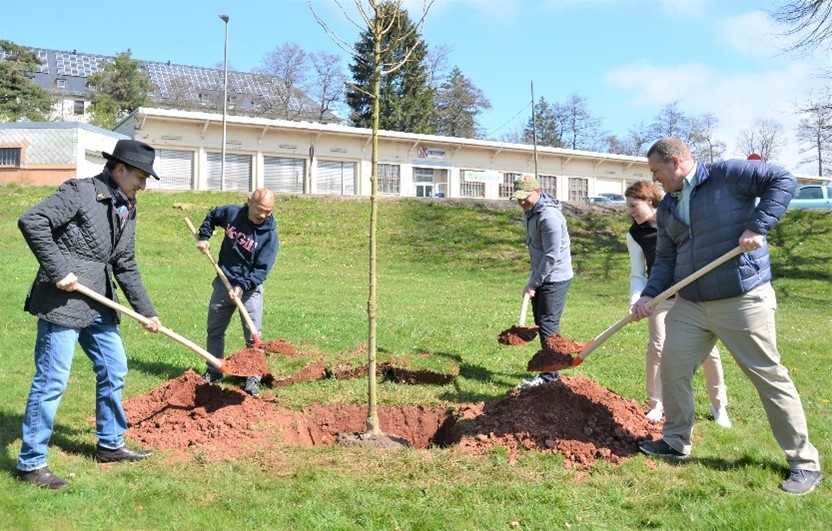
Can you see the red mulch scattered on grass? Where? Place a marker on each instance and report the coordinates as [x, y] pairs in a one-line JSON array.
[[279, 346], [574, 417]]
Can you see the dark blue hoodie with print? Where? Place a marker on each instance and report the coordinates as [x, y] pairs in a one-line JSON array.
[[248, 251]]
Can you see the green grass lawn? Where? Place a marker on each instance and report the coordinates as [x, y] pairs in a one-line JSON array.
[[450, 279]]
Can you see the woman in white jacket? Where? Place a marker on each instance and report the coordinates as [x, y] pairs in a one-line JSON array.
[[642, 199]]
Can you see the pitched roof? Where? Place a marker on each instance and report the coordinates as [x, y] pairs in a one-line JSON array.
[[182, 86]]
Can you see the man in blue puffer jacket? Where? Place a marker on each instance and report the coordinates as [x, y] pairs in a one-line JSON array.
[[247, 254], [710, 209], [551, 262]]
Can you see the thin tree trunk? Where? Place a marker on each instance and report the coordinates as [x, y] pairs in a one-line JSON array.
[[372, 415]]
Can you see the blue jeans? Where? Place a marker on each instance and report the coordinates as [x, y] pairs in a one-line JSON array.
[[54, 349], [221, 309]]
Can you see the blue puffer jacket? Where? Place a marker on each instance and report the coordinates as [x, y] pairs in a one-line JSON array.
[[723, 204]]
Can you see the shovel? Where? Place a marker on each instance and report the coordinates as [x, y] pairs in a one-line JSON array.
[[255, 336], [517, 335], [666, 294], [218, 363]]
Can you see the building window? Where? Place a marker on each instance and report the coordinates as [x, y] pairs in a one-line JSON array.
[[10, 157], [78, 107], [60, 83], [389, 178], [548, 184], [467, 189], [577, 189], [507, 187]]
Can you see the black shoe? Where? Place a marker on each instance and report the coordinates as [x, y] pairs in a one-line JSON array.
[[253, 385], [42, 477], [105, 455], [211, 376], [660, 448]]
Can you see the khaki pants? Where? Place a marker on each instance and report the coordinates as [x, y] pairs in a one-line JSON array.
[[711, 368], [746, 326]]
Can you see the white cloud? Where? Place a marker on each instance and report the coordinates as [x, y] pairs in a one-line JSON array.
[[736, 99], [751, 34]]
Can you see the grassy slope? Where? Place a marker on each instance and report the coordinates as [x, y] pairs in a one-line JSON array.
[[450, 280]]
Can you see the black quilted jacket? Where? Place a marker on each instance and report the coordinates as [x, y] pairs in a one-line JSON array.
[[75, 230]]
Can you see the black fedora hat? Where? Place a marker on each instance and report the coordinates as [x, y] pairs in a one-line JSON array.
[[134, 153]]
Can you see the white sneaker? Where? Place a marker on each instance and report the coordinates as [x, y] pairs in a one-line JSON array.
[[536, 381], [721, 417], [655, 414]]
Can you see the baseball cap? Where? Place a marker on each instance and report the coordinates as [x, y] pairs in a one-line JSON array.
[[525, 185]]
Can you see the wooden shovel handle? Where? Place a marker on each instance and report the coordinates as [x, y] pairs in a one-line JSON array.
[[661, 297], [240, 306], [144, 320], [524, 310]]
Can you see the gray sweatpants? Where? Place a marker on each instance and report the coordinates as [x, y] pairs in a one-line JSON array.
[[222, 308]]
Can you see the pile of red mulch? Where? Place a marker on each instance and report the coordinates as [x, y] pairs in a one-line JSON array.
[[556, 355], [246, 362], [517, 335], [575, 417]]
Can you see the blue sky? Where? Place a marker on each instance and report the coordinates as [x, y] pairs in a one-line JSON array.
[[627, 58]]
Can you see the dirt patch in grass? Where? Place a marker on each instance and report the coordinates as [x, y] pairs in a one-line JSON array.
[[574, 417]]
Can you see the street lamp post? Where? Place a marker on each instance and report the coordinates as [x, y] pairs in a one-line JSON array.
[[224, 18]]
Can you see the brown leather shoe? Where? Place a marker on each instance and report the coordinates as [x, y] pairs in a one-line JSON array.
[[106, 455], [42, 477]]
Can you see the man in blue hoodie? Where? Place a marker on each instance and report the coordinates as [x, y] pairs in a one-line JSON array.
[[551, 261], [247, 254]]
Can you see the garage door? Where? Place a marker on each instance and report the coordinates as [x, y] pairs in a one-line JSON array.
[[175, 168], [284, 176], [335, 177], [237, 172]]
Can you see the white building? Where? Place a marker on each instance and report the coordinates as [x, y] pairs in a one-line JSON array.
[[313, 158], [49, 153]]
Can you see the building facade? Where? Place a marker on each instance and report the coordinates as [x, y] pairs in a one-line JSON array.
[[49, 153], [313, 158]]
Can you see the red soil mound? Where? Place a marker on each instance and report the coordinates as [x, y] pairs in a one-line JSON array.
[[517, 335], [575, 417], [246, 362]]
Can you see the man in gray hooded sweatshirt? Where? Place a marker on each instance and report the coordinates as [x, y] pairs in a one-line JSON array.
[[551, 262]]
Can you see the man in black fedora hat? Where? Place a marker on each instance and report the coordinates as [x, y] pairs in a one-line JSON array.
[[84, 233]]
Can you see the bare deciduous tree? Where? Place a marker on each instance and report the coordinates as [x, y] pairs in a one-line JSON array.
[[814, 131], [388, 56], [808, 23], [703, 143], [288, 64], [764, 137], [329, 81]]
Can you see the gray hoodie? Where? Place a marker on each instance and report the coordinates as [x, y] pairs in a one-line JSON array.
[[548, 242]]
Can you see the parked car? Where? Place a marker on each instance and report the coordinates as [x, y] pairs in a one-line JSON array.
[[598, 200], [615, 198], [812, 196]]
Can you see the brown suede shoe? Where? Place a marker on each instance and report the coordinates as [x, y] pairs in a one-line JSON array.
[[42, 477], [105, 455]]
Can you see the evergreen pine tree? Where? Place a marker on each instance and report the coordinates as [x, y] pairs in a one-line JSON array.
[[118, 90], [21, 99], [406, 99]]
